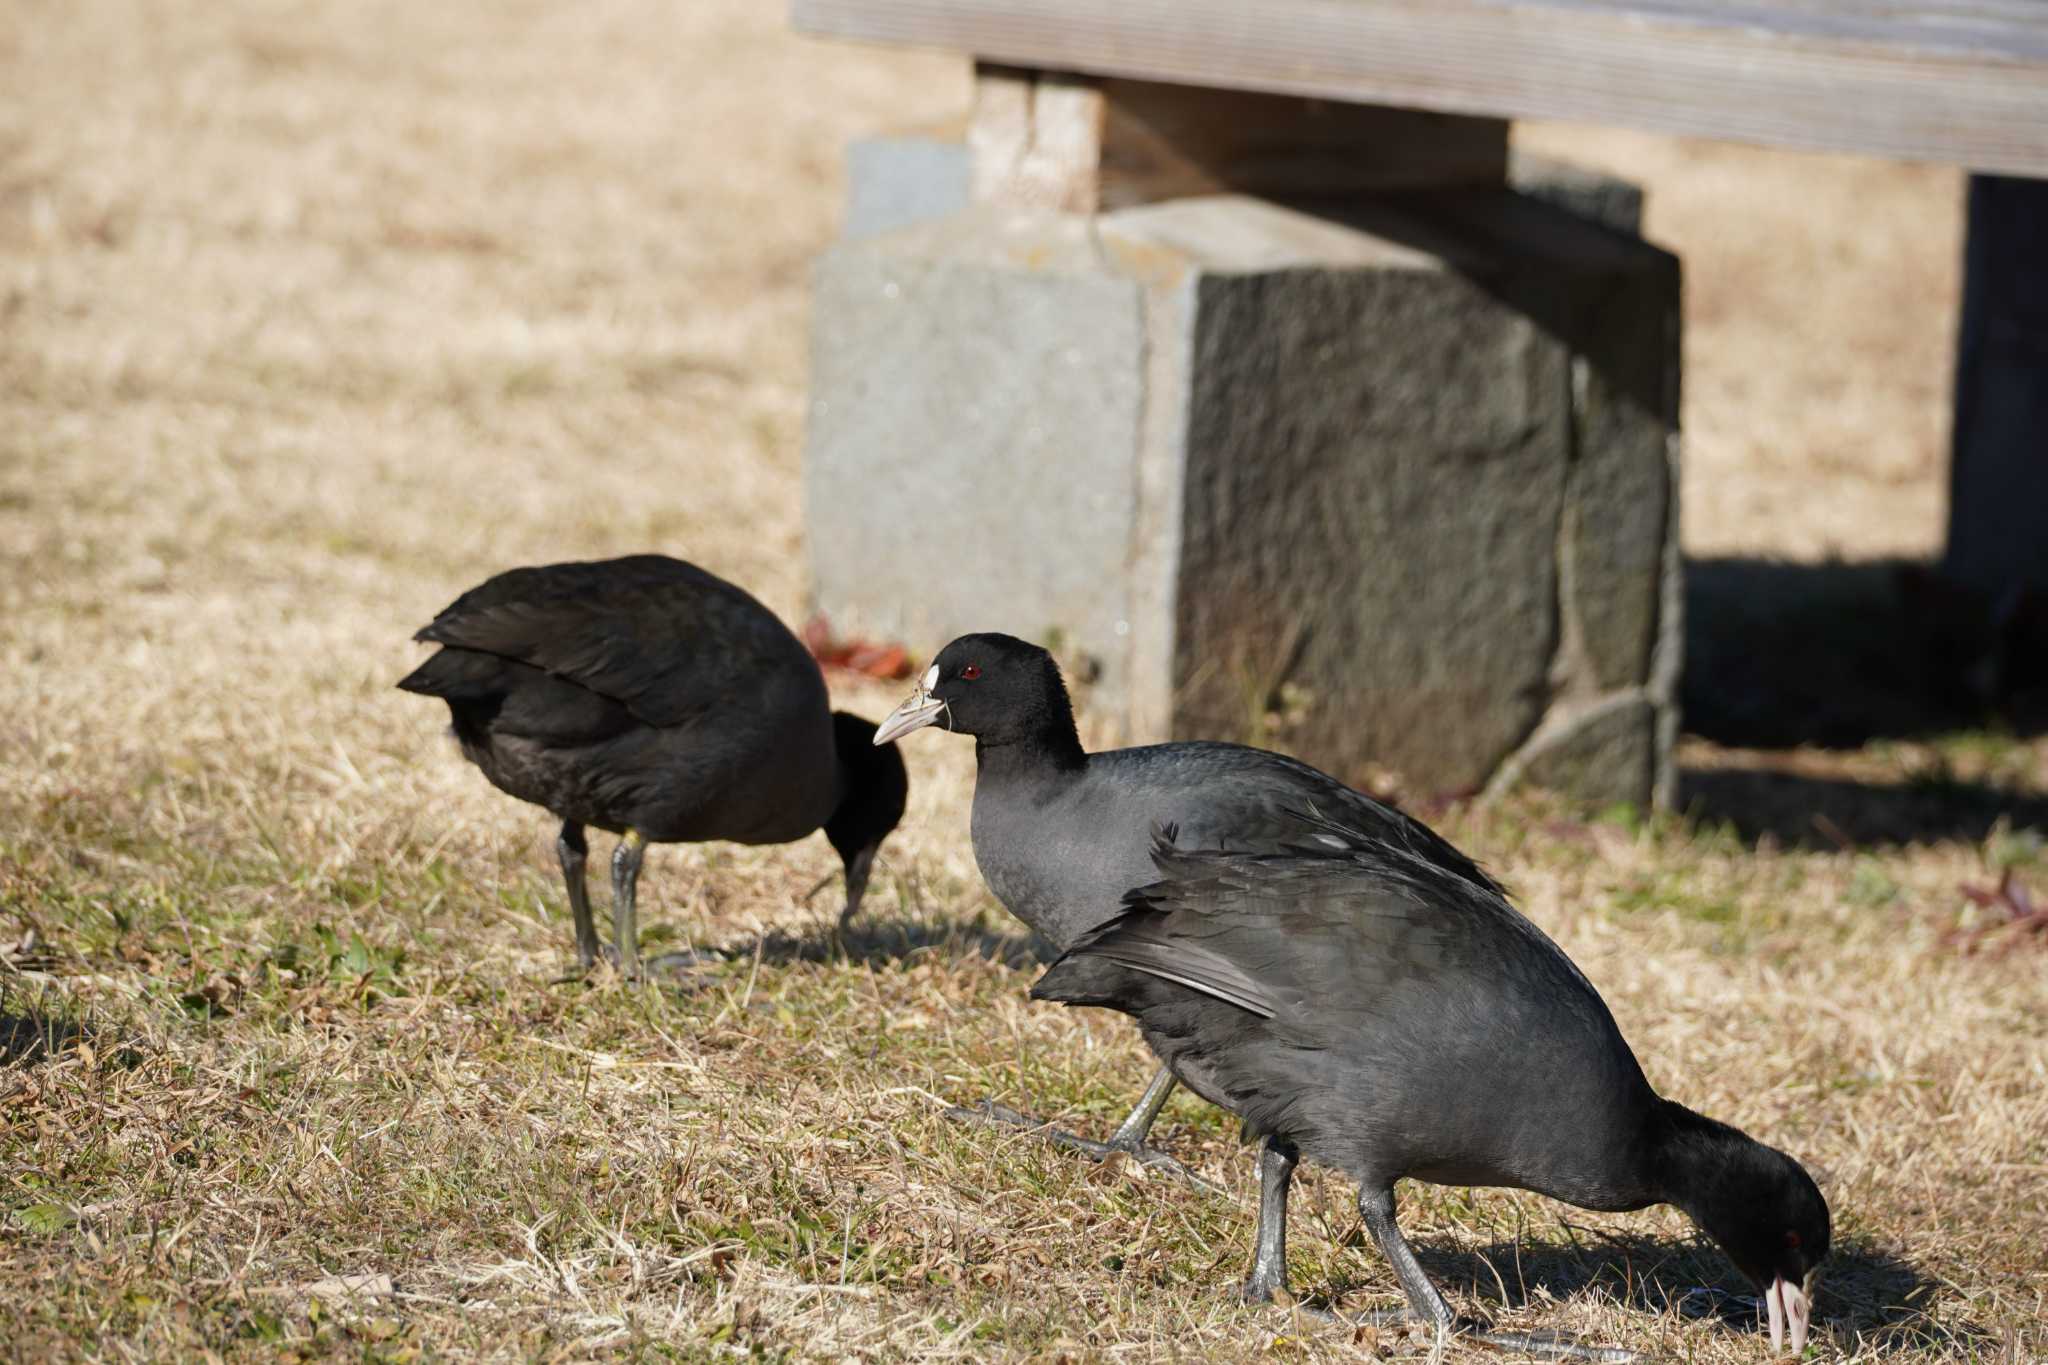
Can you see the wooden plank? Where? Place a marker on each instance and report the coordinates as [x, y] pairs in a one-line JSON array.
[[1036, 140], [1081, 144], [1959, 81]]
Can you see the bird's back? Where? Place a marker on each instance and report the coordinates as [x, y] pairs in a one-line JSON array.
[[1061, 849], [1388, 1017], [641, 692]]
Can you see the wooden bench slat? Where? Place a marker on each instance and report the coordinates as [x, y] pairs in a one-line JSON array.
[[1958, 81]]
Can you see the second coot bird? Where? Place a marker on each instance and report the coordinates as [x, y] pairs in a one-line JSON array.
[[659, 702], [1061, 834], [1355, 1001]]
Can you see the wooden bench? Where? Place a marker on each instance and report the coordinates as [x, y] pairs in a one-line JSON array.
[[1957, 81], [1963, 82], [1087, 107]]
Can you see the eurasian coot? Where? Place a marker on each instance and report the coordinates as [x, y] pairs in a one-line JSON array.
[[1354, 1000], [1061, 834], [657, 701]]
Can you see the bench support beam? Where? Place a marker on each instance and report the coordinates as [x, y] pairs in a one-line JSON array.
[[1998, 482], [1079, 144]]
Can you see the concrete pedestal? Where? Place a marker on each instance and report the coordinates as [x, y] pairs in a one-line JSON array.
[[1391, 487], [896, 180]]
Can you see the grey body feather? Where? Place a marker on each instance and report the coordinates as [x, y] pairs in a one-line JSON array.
[[1385, 1015]]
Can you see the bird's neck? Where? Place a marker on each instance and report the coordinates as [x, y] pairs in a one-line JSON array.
[[1050, 747], [1691, 1159]]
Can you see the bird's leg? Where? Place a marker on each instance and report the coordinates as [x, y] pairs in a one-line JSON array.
[[857, 869], [1130, 1134], [1269, 1260], [1001, 1115], [625, 923], [572, 850], [1376, 1206]]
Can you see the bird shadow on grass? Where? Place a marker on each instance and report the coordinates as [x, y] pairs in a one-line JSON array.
[[31, 1034], [875, 942], [1867, 1299], [28, 1037]]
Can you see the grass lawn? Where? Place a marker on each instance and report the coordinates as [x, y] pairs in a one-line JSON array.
[[312, 315]]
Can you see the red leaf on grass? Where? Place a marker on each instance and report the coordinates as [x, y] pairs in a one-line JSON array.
[[2020, 919], [889, 662]]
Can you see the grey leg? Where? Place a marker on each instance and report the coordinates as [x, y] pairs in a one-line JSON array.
[[625, 923], [572, 850], [1002, 1116], [1377, 1208], [1130, 1134], [1269, 1260], [1269, 1274], [857, 869]]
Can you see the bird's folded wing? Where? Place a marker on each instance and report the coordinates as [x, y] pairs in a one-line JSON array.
[[623, 635], [1145, 942], [1361, 812]]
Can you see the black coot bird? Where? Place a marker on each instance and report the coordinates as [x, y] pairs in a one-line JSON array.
[[657, 701], [1061, 834], [1356, 1002]]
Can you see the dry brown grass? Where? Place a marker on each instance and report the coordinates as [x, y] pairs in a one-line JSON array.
[[312, 315]]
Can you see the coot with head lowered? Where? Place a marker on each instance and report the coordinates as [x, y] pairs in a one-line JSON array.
[[657, 701], [1355, 1002], [1061, 834]]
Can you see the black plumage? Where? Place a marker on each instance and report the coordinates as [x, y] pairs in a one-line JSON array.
[[1359, 1003], [1061, 834], [649, 698]]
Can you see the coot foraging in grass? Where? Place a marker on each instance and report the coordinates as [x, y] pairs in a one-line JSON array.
[[1061, 834], [657, 701], [1357, 1002]]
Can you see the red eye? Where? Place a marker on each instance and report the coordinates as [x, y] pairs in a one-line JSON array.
[[1791, 1240], [969, 673]]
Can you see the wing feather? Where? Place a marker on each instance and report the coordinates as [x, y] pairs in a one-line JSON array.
[[663, 638]]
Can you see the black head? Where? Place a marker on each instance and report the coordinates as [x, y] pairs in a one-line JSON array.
[[998, 688], [877, 787], [1764, 1210]]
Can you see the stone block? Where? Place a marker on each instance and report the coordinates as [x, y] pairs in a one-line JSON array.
[[1349, 533], [1605, 751], [1624, 336], [1400, 478], [898, 179], [893, 182], [975, 407], [1593, 195]]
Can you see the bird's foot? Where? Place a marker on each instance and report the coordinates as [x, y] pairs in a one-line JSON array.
[[1371, 1317], [1277, 1295], [1153, 1159], [679, 962], [1541, 1344], [578, 974], [675, 968], [1546, 1345], [994, 1115], [1262, 1289], [1272, 1292]]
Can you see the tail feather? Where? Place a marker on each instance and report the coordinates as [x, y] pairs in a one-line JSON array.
[[458, 675]]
